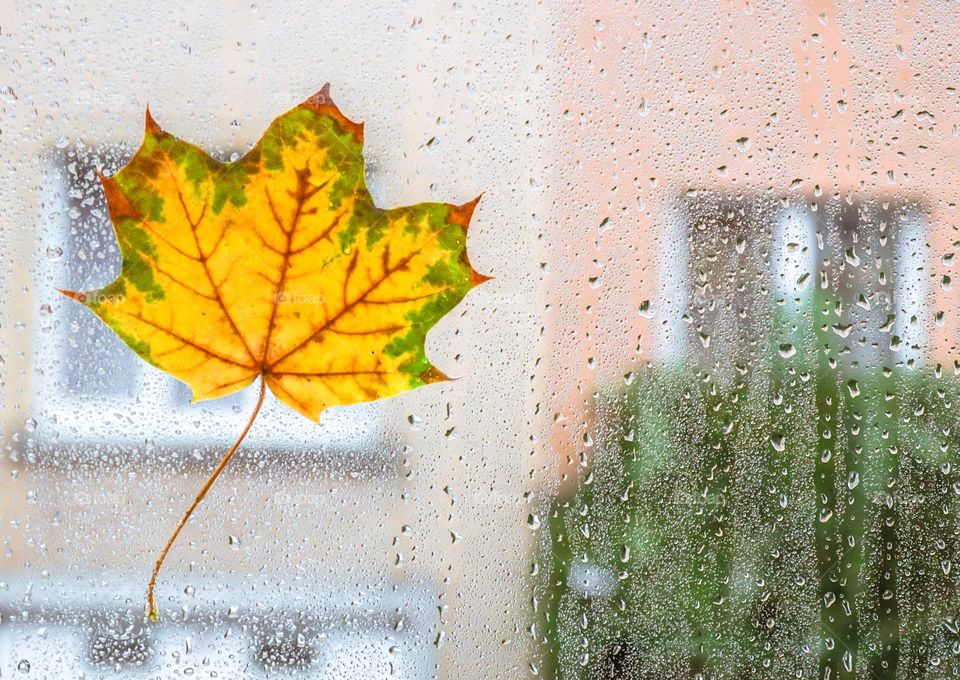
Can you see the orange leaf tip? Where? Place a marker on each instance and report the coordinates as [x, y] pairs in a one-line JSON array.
[[462, 214], [150, 125], [322, 102], [74, 295], [434, 375], [322, 97], [476, 278], [118, 204]]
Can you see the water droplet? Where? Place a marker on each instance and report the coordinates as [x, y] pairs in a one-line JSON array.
[[843, 330], [851, 257], [787, 350]]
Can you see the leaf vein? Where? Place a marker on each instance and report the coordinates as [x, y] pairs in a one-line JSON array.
[[184, 340]]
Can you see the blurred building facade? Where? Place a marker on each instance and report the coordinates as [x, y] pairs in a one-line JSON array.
[[706, 153], [656, 173]]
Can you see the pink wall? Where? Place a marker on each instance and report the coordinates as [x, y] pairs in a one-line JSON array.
[[652, 100]]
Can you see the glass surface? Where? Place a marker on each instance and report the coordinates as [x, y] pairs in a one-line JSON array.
[[706, 417]]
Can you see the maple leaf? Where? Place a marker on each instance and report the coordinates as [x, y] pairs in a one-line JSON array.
[[278, 266]]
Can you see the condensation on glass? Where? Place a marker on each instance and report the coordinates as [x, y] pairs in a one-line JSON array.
[[388, 541], [706, 420], [752, 374]]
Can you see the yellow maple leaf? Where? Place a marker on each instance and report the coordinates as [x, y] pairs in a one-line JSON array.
[[278, 266]]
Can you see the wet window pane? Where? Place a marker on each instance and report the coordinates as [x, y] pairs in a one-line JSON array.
[[705, 417], [751, 373]]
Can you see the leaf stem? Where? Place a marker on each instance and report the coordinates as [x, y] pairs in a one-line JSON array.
[[153, 613]]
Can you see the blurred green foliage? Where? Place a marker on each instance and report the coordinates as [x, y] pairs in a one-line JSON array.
[[795, 516]]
